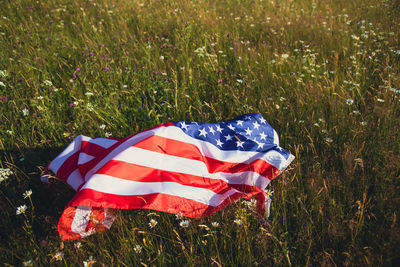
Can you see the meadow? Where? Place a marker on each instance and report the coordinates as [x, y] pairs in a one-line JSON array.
[[324, 74]]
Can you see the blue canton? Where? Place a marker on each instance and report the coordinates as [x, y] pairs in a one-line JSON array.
[[249, 132]]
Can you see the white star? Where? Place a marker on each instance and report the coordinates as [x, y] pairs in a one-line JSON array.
[[248, 131], [263, 135], [228, 137], [203, 132], [219, 143], [260, 145], [239, 122], [219, 129], [239, 144], [262, 120], [231, 127], [256, 125], [247, 118], [184, 125], [211, 130]]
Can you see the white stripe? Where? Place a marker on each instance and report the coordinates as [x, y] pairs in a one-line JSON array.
[[75, 179], [111, 185], [103, 142], [71, 149], [84, 158], [276, 138], [81, 219], [151, 159]]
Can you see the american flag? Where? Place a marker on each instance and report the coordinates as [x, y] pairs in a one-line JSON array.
[[188, 168]]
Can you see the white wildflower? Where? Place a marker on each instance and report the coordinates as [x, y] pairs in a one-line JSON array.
[[25, 112], [268, 200], [27, 193], [179, 216], [107, 134], [238, 221], [138, 249], [184, 224], [58, 256], [349, 101], [3, 73], [21, 209], [78, 245], [28, 263], [328, 140], [102, 126], [251, 204], [152, 223], [380, 100], [4, 174], [2, 84], [89, 106], [215, 224], [89, 262], [47, 83]]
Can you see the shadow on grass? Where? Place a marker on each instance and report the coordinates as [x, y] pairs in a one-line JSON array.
[[48, 200]]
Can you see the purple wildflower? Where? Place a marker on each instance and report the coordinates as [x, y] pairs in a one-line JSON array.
[[3, 98]]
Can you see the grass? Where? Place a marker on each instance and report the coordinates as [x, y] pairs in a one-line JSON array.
[[325, 74]]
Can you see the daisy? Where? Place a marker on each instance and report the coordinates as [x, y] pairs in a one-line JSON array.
[[58, 256], [89, 262], [184, 224], [238, 221], [138, 249], [268, 193], [21, 209], [28, 263], [215, 224], [152, 223], [27, 193], [179, 216]]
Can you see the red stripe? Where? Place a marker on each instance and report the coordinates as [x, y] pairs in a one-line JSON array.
[[158, 201], [132, 172], [65, 222], [98, 152], [187, 150], [92, 149], [68, 166]]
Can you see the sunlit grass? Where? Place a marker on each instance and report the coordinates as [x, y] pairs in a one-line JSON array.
[[325, 74]]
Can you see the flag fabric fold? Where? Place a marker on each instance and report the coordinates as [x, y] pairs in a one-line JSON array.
[[194, 169]]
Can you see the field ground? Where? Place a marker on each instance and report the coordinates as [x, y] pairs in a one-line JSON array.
[[325, 75]]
